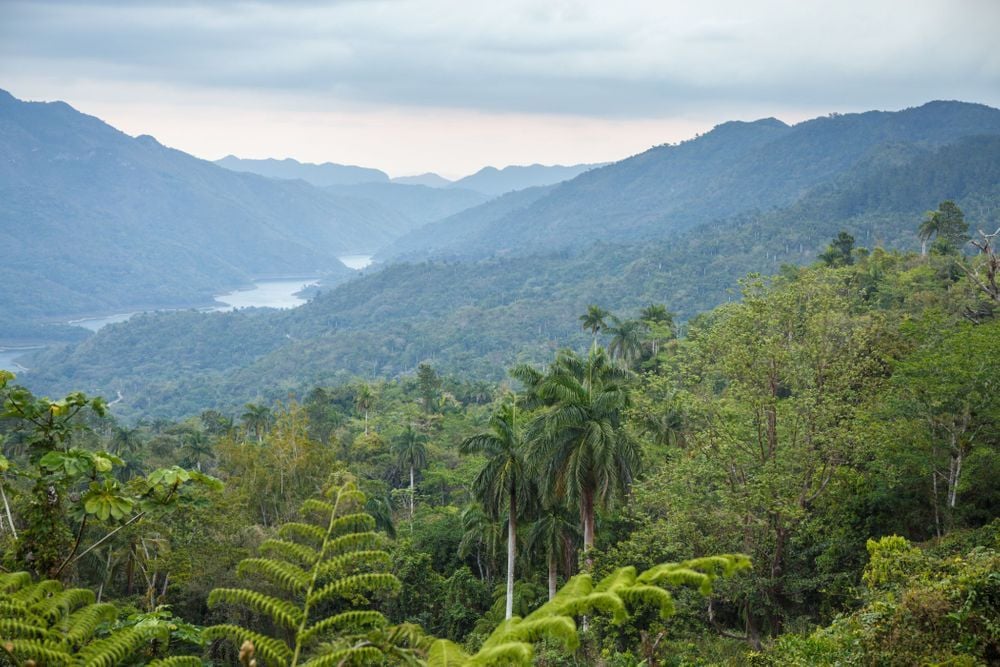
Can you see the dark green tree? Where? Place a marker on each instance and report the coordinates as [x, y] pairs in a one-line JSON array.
[[504, 484]]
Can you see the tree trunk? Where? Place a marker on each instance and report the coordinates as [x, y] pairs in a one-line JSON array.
[[588, 525], [366, 422], [411, 495], [511, 552], [553, 574], [6, 507]]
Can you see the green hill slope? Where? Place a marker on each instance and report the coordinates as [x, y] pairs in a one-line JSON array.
[[477, 318]]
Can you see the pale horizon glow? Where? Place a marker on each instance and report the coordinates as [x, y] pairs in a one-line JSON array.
[[447, 86]]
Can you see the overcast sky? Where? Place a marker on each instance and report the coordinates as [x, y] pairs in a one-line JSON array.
[[451, 85]]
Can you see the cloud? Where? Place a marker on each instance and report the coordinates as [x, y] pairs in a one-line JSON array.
[[627, 59], [188, 70]]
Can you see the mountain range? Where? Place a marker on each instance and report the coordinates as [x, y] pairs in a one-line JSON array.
[[505, 280]]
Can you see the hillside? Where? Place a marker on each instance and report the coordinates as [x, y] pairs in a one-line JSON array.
[[92, 220], [735, 168], [479, 317]]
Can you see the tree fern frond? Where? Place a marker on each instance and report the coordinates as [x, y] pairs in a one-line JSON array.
[[291, 578], [13, 581], [304, 555], [270, 649], [303, 531], [283, 613], [351, 523], [60, 604], [32, 594], [341, 563], [318, 506], [444, 653], [350, 542], [356, 583], [177, 661], [46, 653], [348, 619], [12, 627], [114, 650], [81, 624], [361, 655], [652, 595]]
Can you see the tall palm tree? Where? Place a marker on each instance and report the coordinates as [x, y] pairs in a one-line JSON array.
[[257, 418], [578, 444], [481, 536], [504, 483], [626, 340], [364, 400], [554, 533], [410, 448], [595, 319], [197, 448]]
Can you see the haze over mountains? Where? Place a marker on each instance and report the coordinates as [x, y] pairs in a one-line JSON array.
[[497, 279], [488, 181]]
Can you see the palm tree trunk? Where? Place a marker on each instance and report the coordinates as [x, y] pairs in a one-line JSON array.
[[588, 524], [511, 550], [553, 574], [411, 496]]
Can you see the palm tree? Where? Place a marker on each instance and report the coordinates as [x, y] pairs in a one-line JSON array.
[[504, 483], [554, 533], [364, 400], [197, 447], [947, 222], [481, 536], [626, 340], [257, 418], [595, 319], [578, 444], [410, 448]]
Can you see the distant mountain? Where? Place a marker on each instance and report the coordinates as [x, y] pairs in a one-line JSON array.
[[476, 318], [429, 179], [493, 181], [320, 175], [416, 203], [92, 220], [736, 167]]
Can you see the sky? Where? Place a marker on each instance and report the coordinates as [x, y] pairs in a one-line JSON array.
[[410, 86]]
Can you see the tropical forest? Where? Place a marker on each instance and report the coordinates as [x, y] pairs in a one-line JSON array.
[[704, 371]]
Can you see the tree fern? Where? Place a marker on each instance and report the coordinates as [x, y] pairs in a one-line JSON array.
[[45, 623], [314, 570], [512, 642]]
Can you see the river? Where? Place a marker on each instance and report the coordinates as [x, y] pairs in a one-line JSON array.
[[263, 294]]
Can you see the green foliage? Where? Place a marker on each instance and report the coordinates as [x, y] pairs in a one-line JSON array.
[[920, 609], [512, 642], [52, 625], [318, 570]]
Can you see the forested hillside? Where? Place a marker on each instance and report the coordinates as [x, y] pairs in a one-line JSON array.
[[736, 168], [96, 221], [475, 318], [805, 477]]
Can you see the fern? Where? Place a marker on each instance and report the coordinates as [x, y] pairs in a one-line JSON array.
[[319, 564], [45, 623], [512, 642]]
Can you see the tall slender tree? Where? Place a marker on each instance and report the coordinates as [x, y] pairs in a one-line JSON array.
[[578, 444], [410, 448], [553, 533], [627, 338], [504, 484], [595, 320]]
